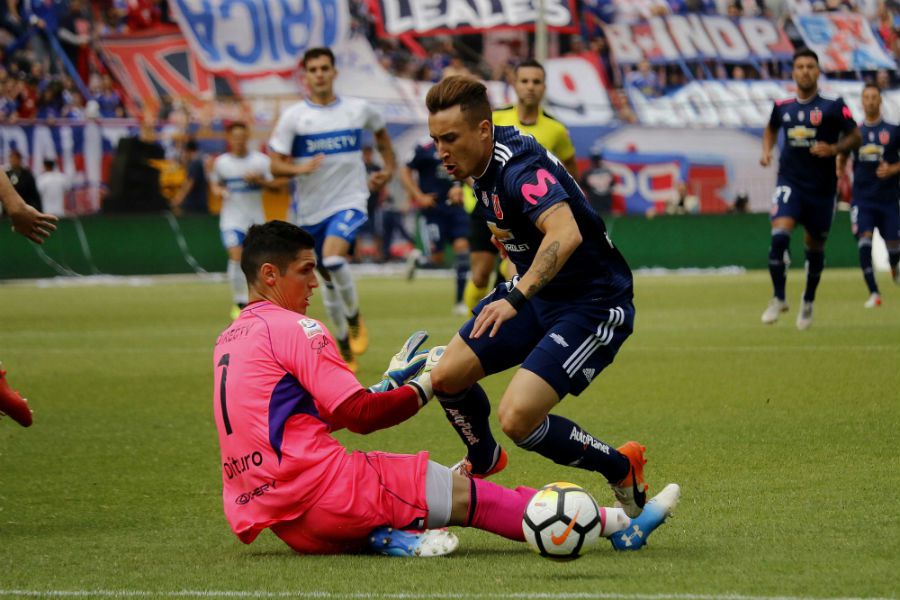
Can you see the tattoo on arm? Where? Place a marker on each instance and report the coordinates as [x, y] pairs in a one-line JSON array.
[[545, 266]]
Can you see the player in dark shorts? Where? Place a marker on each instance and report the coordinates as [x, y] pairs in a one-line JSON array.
[[562, 321], [876, 190], [816, 129], [441, 221]]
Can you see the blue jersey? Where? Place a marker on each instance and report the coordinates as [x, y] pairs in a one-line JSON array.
[[803, 123], [433, 177], [521, 182], [880, 142]]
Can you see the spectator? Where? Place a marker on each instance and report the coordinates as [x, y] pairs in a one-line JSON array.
[[142, 14], [27, 100], [193, 195], [883, 79], [22, 180], [74, 35], [108, 99], [53, 187], [645, 80]]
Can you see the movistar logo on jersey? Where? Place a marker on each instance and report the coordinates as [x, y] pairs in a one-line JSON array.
[[327, 142]]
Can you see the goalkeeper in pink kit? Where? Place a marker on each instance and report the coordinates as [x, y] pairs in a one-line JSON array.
[[281, 389]]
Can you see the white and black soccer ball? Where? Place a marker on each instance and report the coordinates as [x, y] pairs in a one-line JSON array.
[[562, 521]]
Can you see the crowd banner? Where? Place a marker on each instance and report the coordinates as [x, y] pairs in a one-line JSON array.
[[843, 41], [646, 182], [431, 17], [708, 37], [154, 64], [83, 149], [257, 37]]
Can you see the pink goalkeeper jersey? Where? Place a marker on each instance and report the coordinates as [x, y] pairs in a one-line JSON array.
[[278, 374]]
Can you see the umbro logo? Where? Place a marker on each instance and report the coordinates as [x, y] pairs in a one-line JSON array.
[[559, 340], [786, 117], [588, 374]]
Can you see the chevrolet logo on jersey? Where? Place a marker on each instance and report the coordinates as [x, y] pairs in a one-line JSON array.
[[506, 237], [870, 153], [801, 136]]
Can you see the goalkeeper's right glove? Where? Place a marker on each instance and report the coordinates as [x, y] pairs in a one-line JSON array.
[[406, 364]]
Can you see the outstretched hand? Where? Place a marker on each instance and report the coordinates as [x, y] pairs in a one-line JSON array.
[[33, 224]]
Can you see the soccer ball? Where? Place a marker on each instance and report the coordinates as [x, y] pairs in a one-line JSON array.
[[562, 521]]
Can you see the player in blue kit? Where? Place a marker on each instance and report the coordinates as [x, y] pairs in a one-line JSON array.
[[562, 321], [816, 128], [876, 190], [430, 187]]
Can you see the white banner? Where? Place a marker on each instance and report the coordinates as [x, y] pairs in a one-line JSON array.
[[844, 42], [429, 17], [254, 37]]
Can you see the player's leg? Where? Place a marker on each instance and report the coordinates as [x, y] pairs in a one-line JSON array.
[[341, 231], [461, 268], [782, 227], [470, 502], [466, 406], [233, 240], [12, 403], [862, 227], [816, 219], [575, 350], [889, 228]]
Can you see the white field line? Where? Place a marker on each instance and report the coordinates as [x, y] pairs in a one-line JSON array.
[[398, 596]]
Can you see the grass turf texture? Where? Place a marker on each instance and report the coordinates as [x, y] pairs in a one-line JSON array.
[[784, 442]]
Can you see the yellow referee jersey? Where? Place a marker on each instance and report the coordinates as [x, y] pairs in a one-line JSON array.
[[550, 133]]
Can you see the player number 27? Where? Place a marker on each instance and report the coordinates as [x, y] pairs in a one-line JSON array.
[[783, 193], [223, 362]]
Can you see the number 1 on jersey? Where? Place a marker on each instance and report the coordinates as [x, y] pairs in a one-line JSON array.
[[223, 362]]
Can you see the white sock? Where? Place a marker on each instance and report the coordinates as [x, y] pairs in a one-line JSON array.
[[238, 282], [343, 282], [335, 309], [616, 520]]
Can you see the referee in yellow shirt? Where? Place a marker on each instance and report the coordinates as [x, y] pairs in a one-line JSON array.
[[529, 117]]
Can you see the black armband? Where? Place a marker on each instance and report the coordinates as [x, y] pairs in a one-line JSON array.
[[516, 298]]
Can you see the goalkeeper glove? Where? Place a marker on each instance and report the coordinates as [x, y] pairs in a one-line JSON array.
[[406, 364], [422, 382]]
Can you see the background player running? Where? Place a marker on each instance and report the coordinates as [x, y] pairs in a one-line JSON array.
[[876, 190], [319, 142], [440, 220], [281, 390], [816, 128], [563, 321], [239, 176]]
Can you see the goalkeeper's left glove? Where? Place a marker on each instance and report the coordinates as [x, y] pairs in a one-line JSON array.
[[422, 382], [406, 364]]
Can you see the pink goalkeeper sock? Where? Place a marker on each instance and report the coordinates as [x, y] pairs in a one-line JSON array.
[[498, 509]]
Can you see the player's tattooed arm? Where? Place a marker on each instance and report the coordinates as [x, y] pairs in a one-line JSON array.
[[561, 238]]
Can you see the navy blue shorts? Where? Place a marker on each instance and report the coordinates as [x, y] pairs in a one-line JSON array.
[[567, 344], [437, 228], [814, 213], [884, 217]]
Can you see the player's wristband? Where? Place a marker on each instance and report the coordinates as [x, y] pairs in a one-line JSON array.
[[516, 298]]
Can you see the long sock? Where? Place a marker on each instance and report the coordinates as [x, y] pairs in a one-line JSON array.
[[781, 241], [335, 309], [462, 275], [498, 509], [237, 282], [565, 443], [865, 263], [343, 282], [815, 264], [473, 294], [468, 412], [894, 257]]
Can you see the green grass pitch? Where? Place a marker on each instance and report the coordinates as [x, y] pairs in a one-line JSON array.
[[786, 445]]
